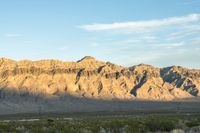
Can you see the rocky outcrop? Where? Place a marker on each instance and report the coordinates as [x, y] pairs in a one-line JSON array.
[[91, 78]]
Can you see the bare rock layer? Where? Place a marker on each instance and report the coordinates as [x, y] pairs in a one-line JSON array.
[[91, 78]]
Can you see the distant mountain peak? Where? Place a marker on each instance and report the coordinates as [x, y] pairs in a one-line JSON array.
[[87, 58]]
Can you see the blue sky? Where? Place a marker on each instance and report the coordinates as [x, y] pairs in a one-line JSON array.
[[126, 32]]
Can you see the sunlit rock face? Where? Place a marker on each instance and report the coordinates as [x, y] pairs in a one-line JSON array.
[[95, 79]]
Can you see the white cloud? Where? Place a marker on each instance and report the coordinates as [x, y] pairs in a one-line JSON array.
[[149, 37], [184, 31], [132, 40], [143, 25], [160, 42], [12, 35], [168, 45]]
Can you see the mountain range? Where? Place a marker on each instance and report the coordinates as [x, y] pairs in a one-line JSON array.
[[91, 78]]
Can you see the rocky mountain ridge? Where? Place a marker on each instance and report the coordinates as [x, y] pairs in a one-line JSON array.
[[95, 79]]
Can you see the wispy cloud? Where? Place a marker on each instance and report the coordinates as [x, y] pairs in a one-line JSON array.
[[184, 31], [12, 35], [142, 25], [168, 45], [149, 38], [157, 41]]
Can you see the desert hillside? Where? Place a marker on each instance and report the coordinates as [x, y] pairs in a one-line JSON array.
[[95, 79]]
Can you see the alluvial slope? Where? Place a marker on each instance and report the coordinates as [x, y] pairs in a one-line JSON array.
[[91, 78]]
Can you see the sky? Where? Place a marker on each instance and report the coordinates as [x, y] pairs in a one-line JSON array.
[[126, 32]]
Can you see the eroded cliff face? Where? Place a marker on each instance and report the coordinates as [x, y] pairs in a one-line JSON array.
[[91, 78]]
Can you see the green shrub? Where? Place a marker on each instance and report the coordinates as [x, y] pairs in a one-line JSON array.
[[192, 123], [160, 125]]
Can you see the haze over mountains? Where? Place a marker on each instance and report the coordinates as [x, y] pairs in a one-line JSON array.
[[90, 78]]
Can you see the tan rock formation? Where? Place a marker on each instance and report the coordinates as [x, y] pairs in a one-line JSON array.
[[91, 78]]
